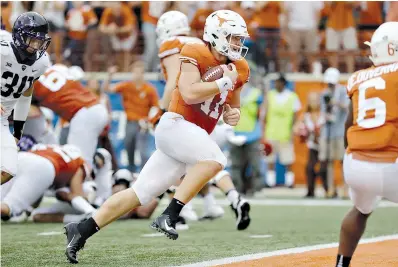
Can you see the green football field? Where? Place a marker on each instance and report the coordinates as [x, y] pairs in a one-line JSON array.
[[276, 224]]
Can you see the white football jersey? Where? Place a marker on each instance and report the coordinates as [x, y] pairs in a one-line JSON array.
[[5, 36], [16, 78]]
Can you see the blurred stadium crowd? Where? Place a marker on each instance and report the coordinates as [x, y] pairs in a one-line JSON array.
[[96, 34]]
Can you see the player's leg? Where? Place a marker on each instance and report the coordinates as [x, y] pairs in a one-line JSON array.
[[35, 176], [390, 182], [271, 159], [239, 205], [59, 212], [187, 143], [8, 155], [160, 172], [365, 182], [84, 129], [211, 209], [286, 158], [103, 175]]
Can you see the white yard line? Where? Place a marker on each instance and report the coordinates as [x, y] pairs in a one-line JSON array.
[[50, 233], [282, 252]]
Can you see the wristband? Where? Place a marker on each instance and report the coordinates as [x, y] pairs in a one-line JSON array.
[[224, 84]]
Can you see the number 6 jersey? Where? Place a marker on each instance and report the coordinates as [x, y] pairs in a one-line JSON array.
[[374, 95], [205, 114], [16, 78]]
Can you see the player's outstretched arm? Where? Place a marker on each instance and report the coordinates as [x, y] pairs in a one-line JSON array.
[[21, 112], [76, 188], [194, 91]]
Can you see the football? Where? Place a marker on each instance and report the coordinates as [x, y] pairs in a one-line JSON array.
[[214, 73]]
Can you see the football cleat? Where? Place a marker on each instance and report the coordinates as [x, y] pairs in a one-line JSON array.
[[188, 212], [75, 242], [166, 226], [212, 212], [242, 214], [181, 224]]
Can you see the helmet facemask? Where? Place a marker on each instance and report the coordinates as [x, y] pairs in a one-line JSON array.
[[236, 48]]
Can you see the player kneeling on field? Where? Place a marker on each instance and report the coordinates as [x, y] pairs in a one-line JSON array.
[[42, 168]]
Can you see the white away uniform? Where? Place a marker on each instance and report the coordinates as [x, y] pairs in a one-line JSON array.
[[16, 78]]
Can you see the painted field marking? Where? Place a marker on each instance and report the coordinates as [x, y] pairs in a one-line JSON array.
[[152, 235], [283, 252], [260, 236], [50, 233]]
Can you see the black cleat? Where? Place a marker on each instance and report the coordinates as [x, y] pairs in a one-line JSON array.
[[165, 225], [75, 242], [242, 214]]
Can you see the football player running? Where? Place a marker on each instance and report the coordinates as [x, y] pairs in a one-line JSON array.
[[371, 160], [173, 30], [184, 145], [23, 60]]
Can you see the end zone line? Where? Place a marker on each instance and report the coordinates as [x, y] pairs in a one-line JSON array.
[[282, 252]]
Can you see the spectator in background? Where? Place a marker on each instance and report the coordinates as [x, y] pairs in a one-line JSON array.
[[247, 10], [54, 12], [308, 128], [392, 13], [17, 8], [302, 23], [371, 16], [245, 143], [80, 20], [340, 30], [138, 97], [334, 108], [6, 9], [150, 13], [120, 24], [268, 31], [199, 19], [282, 107]]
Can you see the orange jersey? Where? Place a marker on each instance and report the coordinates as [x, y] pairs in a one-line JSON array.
[[174, 46], [206, 114], [63, 96], [137, 101], [66, 160], [78, 20], [374, 96]]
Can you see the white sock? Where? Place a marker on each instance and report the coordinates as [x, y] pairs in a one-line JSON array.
[[271, 178], [289, 179], [209, 200], [233, 197], [68, 218]]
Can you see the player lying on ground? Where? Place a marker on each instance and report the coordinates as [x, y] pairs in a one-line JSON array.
[[371, 160], [173, 33], [184, 145], [23, 60], [42, 168]]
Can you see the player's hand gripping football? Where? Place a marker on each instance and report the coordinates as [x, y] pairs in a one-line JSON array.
[[231, 116], [231, 72]]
